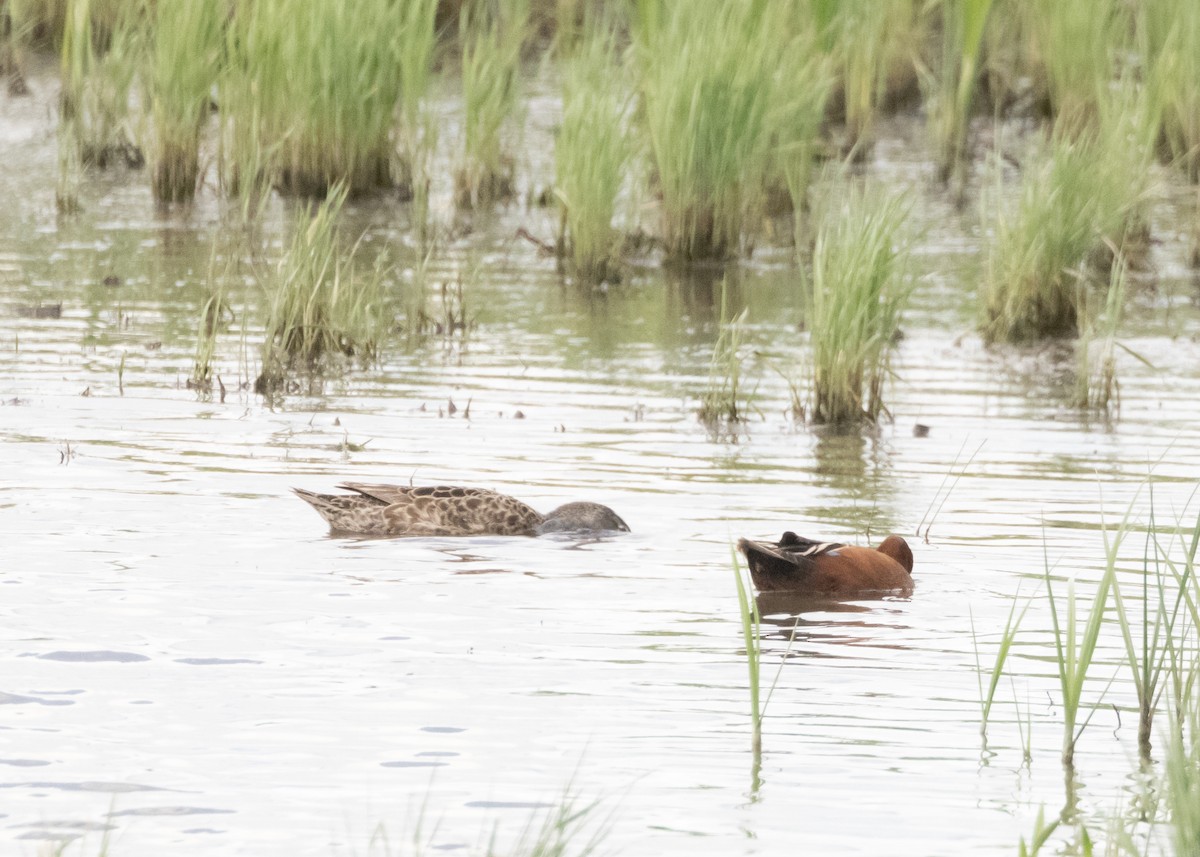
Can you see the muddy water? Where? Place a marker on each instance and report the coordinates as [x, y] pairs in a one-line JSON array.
[[192, 665]]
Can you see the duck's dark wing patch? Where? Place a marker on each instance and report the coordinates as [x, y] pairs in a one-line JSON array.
[[798, 546]]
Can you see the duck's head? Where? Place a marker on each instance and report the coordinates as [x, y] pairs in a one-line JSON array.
[[898, 549], [582, 517]]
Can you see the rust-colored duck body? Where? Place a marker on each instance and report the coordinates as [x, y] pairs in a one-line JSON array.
[[796, 564], [398, 510]]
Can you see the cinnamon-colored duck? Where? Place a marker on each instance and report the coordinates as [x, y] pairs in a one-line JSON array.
[[795, 564]]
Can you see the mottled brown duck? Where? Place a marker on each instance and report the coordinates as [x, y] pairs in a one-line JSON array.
[[796, 564], [397, 510]]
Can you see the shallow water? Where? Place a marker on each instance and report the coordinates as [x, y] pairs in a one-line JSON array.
[[192, 664]]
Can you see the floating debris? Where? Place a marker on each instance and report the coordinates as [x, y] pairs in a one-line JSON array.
[[40, 310]]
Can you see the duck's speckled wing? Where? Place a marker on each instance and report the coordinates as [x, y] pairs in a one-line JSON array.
[[348, 513], [449, 511]]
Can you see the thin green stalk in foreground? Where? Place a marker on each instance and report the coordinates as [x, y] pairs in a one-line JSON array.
[[859, 288], [1074, 653], [560, 831], [1024, 726], [1182, 779], [1002, 651], [1041, 835], [751, 621], [568, 828], [939, 498], [751, 636], [1183, 660], [1146, 665], [1178, 645]]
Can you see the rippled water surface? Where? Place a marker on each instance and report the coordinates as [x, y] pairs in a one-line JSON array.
[[193, 665]]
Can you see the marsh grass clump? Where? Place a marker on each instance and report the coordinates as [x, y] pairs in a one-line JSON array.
[[211, 321], [714, 108], [103, 45], [1096, 385], [492, 36], [66, 190], [245, 152], [319, 84], [724, 405], [1031, 277], [450, 320], [871, 42], [323, 308], [797, 117], [860, 284], [964, 23], [591, 154], [33, 23], [1069, 217], [215, 316], [1169, 40], [181, 73], [418, 38], [1078, 43], [16, 28]]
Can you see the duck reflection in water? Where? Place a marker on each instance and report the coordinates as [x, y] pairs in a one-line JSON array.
[[814, 626]]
